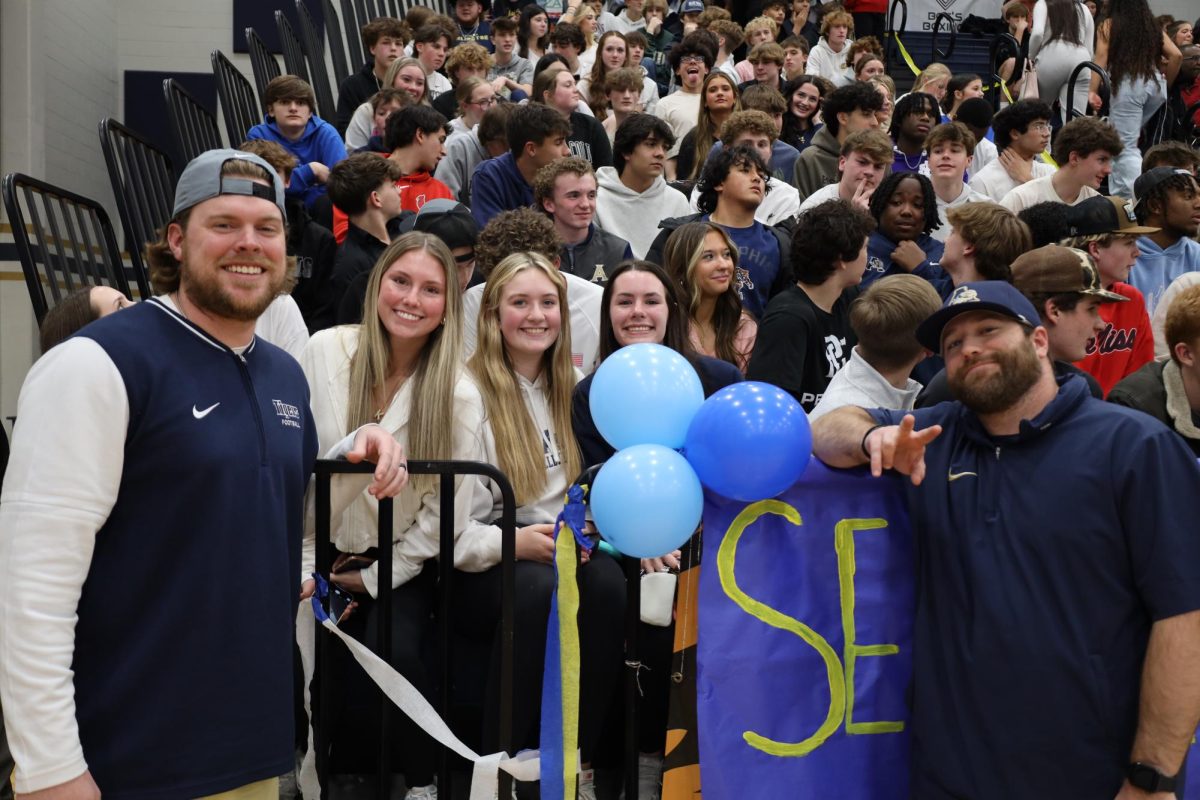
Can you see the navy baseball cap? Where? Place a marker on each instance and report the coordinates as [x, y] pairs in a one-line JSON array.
[[691, 7], [202, 180], [998, 297]]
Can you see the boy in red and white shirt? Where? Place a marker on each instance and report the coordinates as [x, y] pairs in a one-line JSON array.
[[1106, 229]]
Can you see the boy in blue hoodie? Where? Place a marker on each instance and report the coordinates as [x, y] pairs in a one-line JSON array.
[[905, 208], [1168, 199], [290, 122]]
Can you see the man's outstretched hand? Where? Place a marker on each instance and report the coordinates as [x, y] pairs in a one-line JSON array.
[[901, 448]]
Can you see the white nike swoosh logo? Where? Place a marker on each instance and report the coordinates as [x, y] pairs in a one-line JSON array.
[[202, 414], [952, 476]]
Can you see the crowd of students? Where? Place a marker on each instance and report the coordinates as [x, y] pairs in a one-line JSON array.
[[505, 198]]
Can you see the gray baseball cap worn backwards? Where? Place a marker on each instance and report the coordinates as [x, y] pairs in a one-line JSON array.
[[202, 180]]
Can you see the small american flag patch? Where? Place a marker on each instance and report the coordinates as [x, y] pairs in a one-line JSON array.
[[577, 359]]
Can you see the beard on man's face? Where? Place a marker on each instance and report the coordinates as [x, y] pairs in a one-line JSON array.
[[996, 390]]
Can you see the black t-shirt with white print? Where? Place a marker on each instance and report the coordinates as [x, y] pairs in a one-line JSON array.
[[800, 346]]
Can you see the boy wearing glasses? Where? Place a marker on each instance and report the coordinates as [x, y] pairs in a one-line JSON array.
[[690, 61], [465, 61], [1085, 150], [1021, 131]]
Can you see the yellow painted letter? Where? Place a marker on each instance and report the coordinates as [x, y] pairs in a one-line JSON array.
[[843, 537], [833, 668]]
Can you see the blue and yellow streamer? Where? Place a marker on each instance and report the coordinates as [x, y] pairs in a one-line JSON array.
[[560, 679]]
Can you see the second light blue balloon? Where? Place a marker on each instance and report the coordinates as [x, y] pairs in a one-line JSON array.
[[646, 500]]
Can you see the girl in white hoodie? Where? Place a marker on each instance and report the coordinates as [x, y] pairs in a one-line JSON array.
[[522, 364]]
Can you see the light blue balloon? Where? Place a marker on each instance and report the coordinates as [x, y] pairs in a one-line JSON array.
[[645, 394], [646, 500], [749, 441]]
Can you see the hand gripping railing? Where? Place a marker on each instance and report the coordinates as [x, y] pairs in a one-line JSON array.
[[1105, 90], [447, 470]]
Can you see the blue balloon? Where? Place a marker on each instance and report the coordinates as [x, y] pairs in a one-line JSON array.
[[646, 500], [749, 441], [645, 394]]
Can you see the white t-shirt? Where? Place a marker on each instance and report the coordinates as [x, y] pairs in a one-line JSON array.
[[622, 22], [437, 84], [859, 384], [994, 181], [967, 195], [282, 325], [1040, 190], [831, 191], [985, 153], [680, 110]]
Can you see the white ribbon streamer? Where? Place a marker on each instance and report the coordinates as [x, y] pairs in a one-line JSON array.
[[485, 775]]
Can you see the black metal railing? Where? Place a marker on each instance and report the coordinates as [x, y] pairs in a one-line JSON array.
[[447, 471], [1002, 44], [938, 53], [1105, 91], [890, 47]]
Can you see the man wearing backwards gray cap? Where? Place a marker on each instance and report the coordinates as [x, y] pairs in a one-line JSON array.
[[1057, 621], [152, 518]]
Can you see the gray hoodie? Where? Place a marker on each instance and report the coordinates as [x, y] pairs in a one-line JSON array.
[[818, 164]]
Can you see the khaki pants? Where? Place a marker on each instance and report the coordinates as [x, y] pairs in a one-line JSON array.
[[262, 790]]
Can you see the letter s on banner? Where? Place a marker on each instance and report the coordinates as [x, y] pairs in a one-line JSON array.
[[833, 668]]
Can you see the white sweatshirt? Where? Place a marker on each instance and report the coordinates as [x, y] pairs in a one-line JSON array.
[[826, 63], [633, 216], [546, 507], [416, 522]]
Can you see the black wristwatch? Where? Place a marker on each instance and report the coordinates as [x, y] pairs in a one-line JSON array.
[[1148, 778]]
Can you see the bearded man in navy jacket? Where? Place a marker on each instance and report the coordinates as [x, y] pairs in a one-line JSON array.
[[1057, 625]]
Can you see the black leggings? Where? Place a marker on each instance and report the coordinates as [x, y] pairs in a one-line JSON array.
[[601, 614], [413, 751]]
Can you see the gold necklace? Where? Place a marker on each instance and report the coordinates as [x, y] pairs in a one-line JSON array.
[[390, 397]]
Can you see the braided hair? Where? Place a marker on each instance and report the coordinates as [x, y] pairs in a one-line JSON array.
[[885, 190]]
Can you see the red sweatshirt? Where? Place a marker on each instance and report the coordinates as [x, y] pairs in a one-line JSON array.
[[1125, 344], [415, 191]]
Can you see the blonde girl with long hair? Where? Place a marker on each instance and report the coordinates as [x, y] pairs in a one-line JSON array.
[[402, 369], [933, 80], [522, 365]]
